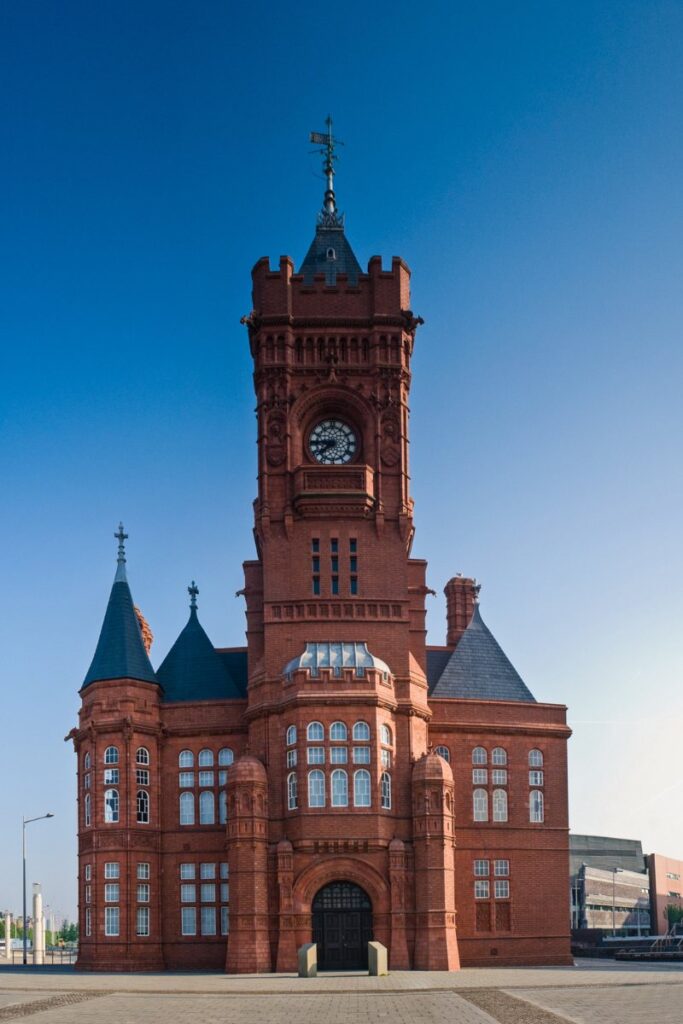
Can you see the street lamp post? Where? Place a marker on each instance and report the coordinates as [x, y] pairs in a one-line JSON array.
[[615, 872], [24, 823]]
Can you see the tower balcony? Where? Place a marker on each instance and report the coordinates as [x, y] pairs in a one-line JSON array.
[[327, 490]]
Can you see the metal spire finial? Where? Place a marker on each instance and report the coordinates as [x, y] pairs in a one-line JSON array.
[[193, 590], [121, 557], [328, 217]]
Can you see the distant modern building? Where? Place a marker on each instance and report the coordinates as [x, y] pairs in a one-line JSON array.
[[666, 888], [610, 885]]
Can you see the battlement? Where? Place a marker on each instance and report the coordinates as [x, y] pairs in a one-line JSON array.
[[377, 294]]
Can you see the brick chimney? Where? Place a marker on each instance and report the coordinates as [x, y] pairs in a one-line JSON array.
[[461, 596]]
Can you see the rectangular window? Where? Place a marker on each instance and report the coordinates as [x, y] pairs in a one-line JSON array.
[[88, 922], [291, 758], [111, 869], [499, 777], [222, 777], [188, 893], [207, 871], [334, 546], [142, 776], [354, 585], [111, 920], [502, 890], [225, 921], [111, 892], [225, 870], [335, 565], [501, 867], [536, 778], [142, 921], [479, 776], [208, 920], [225, 892], [143, 870], [86, 780], [339, 755], [353, 564], [186, 780], [316, 586], [481, 868], [111, 776], [315, 565], [335, 584], [88, 872], [315, 544], [481, 889], [361, 755], [206, 778], [353, 545], [316, 755], [187, 870], [143, 892], [208, 892], [188, 921], [88, 893], [386, 759]]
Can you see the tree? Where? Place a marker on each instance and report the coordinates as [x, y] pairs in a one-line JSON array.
[[673, 913]]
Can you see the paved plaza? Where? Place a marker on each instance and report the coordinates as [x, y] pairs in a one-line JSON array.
[[592, 992]]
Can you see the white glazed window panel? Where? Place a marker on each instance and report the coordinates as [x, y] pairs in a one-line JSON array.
[[186, 780], [481, 889], [501, 867], [339, 755], [208, 892], [188, 893], [502, 890], [481, 868], [480, 776], [316, 755], [499, 777], [361, 755], [206, 778]]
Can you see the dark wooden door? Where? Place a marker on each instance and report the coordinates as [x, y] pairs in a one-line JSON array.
[[342, 927]]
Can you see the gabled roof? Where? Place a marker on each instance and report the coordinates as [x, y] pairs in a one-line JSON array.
[[330, 254], [478, 668], [193, 670], [120, 651]]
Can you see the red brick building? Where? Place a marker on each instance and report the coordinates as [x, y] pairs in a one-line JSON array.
[[336, 779]]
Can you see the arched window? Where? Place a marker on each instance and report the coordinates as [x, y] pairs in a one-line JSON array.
[[186, 759], [142, 755], [340, 788], [86, 762], [385, 791], [480, 805], [315, 732], [205, 759], [535, 759], [207, 808], [143, 807], [111, 755], [316, 789], [500, 805], [222, 807], [443, 752], [361, 787], [499, 756], [385, 735], [536, 805], [225, 756], [338, 731], [361, 731], [479, 756], [111, 805], [291, 791], [187, 808], [86, 809], [291, 735]]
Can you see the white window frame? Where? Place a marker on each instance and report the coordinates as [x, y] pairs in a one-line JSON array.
[[385, 791], [315, 755], [188, 870], [316, 788], [443, 752], [186, 759], [501, 868], [361, 732], [362, 788], [222, 808], [479, 755], [536, 807], [499, 776], [186, 808], [361, 755], [339, 788], [480, 805], [205, 758], [111, 755], [501, 889], [500, 805], [535, 758], [481, 868], [186, 780], [292, 794], [208, 920], [207, 807], [111, 806], [499, 756], [480, 776], [226, 757], [112, 921], [143, 891], [142, 755], [482, 889], [87, 811], [315, 733], [112, 869], [112, 892], [338, 732], [290, 736], [142, 917], [536, 777], [188, 920], [142, 807], [386, 736], [143, 870]]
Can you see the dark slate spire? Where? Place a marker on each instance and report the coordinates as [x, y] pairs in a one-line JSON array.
[[120, 652], [330, 253], [478, 668], [192, 669]]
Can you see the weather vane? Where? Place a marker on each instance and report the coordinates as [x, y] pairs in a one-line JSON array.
[[121, 537], [327, 143], [193, 590]]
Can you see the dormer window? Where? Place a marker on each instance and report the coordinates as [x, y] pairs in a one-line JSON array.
[[331, 254]]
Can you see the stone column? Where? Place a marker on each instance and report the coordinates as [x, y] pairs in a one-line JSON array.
[[38, 934], [398, 950], [286, 943]]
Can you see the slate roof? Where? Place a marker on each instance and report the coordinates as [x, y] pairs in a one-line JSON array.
[[478, 668], [193, 669], [317, 260], [120, 651]]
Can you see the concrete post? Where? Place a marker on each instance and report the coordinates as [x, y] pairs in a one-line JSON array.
[[8, 935], [38, 934]]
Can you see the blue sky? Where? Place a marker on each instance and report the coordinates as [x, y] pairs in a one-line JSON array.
[[525, 159]]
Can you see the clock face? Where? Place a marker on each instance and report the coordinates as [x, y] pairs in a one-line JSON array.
[[332, 443]]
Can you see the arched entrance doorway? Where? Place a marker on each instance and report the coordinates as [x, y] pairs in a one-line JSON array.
[[342, 926]]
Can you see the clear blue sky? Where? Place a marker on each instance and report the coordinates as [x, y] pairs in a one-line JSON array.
[[525, 159]]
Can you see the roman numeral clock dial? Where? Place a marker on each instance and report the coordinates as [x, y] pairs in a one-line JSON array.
[[332, 443]]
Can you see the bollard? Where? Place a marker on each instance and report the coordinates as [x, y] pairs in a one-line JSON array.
[[378, 963], [308, 960]]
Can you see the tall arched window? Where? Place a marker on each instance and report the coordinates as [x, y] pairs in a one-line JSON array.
[[186, 759], [340, 788], [361, 731], [291, 791], [315, 732], [207, 808], [536, 805], [535, 759], [385, 735], [361, 788], [480, 805], [111, 755], [499, 756], [500, 805], [205, 759], [479, 756], [225, 756], [291, 735], [143, 807], [443, 752], [187, 808], [111, 805], [142, 755], [86, 762], [316, 789], [86, 809], [338, 731], [385, 791], [222, 807]]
